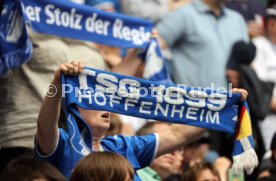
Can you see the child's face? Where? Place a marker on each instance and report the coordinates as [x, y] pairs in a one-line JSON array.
[[99, 120]]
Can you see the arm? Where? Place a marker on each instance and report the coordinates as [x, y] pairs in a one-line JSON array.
[[129, 65], [47, 123], [163, 44], [222, 165], [255, 29], [166, 30], [178, 135]]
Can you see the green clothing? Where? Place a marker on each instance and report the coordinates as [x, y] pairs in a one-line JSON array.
[[148, 174]]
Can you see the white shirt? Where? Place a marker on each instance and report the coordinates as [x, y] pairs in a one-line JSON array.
[[265, 66]]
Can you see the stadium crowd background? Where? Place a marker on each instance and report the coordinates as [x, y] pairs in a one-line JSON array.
[[203, 41]]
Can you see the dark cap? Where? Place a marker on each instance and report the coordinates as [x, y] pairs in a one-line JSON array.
[[242, 53]]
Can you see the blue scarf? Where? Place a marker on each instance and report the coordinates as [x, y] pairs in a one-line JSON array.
[[15, 47], [210, 109], [207, 109], [155, 69], [69, 20], [77, 21], [88, 24]]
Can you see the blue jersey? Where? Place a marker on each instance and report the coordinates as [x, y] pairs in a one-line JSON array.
[[138, 150]]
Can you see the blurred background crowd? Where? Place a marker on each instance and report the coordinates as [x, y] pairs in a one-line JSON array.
[[203, 41]]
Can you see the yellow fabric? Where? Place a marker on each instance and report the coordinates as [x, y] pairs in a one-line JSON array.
[[245, 129]]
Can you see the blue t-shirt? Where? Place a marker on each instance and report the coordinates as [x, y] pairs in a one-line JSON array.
[[138, 150], [201, 43]]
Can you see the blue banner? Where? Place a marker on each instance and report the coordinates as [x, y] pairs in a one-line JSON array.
[[68, 19], [15, 46], [155, 69], [100, 90], [210, 109]]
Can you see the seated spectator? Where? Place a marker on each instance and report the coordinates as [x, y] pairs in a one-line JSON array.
[[103, 166], [29, 169], [200, 172], [163, 166]]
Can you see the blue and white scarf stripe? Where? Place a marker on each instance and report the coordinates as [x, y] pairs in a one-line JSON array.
[[216, 113], [65, 19], [77, 21], [210, 109], [155, 69]]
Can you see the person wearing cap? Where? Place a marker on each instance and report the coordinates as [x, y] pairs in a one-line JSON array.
[[265, 66], [242, 53], [240, 73]]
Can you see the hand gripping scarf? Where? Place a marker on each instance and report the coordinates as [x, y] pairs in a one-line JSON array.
[[210, 109], [101, 90]]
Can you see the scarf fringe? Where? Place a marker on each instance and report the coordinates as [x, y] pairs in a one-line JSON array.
[[247, 160]]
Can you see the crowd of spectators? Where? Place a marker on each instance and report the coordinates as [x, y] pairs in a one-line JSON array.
[[206, 43]]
